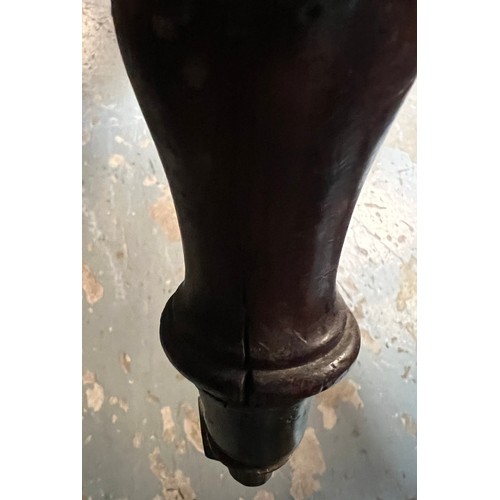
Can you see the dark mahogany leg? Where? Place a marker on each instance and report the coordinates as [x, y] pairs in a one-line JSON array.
[[266, 115]]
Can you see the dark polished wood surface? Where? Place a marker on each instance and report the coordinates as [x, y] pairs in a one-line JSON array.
[[266, 116]]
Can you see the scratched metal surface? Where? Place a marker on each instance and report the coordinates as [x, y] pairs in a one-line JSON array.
[[140, 431]]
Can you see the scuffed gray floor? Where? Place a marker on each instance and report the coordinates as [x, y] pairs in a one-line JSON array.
[[140, 425]]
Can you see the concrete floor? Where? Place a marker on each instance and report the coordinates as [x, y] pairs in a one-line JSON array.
[[141, 435]]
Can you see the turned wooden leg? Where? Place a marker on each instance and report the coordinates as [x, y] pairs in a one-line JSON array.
[[266, 115]]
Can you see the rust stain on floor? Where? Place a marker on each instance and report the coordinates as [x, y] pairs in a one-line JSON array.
[[344, 391], [92, 288], [264, 495], [95, 396], [175, 486], [125, 362], [307, 462], [409, 424], [369, 342], [408, 284], [192, 427], [138, 439], [163, 213], [168, 424]]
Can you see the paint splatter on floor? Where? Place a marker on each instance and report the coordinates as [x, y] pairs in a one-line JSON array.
[[86, 136], [144, 143], [125, 362], [369, 342], [408, 284], [163, 213], [180, 446], [263, 495], [150, 180], [168, 424], [175, 486], [121, 140], [95, 396], [138, 439], [122, 403], [192, 427], [116, 161], [344, 391], [412, 330], [359, 310], [88, 377], [307, 462], [92, 288]]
